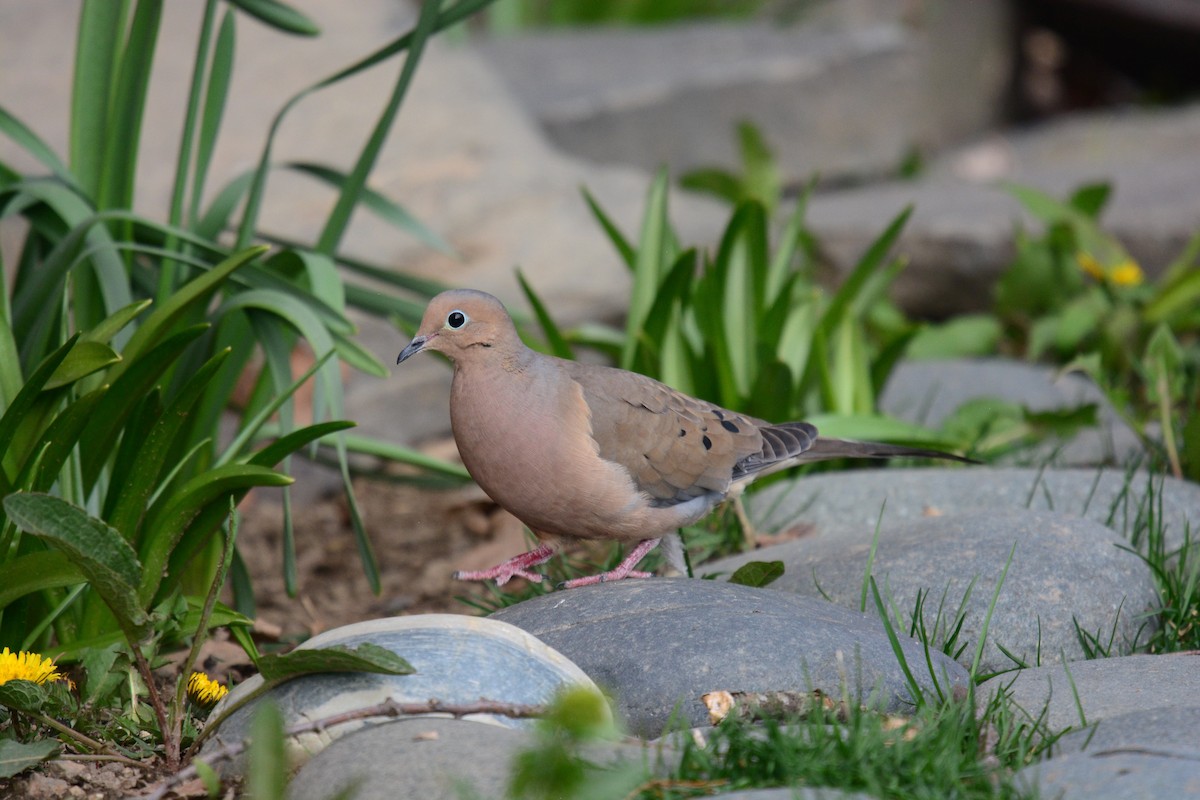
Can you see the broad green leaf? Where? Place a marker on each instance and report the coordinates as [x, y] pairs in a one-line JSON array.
[[1091, 199], [221, 616], [129, 388], [196, 293], [84, 359], [116, 322], [366, 657], [33, 572], [99, 552], [22, 695], [757, 573], [169, 518], [16, 757], [280, 16], [719, 183], [19, 408], [151, 449], [959, 337], [879, 428], [1170, 299]]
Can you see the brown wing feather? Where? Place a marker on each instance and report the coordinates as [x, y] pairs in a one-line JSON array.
[[674, 446]]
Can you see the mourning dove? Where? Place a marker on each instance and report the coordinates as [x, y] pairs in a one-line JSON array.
[[581, 451]]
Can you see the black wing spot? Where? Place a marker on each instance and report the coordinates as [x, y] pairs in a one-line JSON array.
[[682, 432], [707, 443], [729, 426]]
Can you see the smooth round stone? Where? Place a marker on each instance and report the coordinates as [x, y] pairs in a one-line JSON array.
[[431, 758], [458, 660], [1106, 688], [1130, 774], [658, 644], [1065, 571], [834, 502]]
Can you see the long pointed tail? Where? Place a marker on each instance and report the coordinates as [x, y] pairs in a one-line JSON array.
[[823, 449]]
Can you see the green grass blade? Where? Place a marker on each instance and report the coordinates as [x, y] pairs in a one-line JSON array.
[[624, 248], [215, 97], [558, 344], [383, 207], [279, 16], [98, 439], [339, 219], [124, 129], [100, 33], [166, 272], [31, 143], [195, 294], [167, 522], [649, 266]]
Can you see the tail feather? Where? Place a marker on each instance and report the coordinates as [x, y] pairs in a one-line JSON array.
[[823, 449]]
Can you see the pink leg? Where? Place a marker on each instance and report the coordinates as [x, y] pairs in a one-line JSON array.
[[517, 566], [623, 570]]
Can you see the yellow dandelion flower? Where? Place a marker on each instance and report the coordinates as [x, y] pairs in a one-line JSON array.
[[1088, 263], [1127, 273], [26, 666], [204, 691]]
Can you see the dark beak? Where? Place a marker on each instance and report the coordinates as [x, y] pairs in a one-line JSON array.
[[415, 346]]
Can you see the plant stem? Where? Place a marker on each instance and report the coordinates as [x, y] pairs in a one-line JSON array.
[[85, 740], [170, 743]]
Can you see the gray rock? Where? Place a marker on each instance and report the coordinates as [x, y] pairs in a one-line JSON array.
[[659, 644], [458, 660], [837, 96], [1172, 727], [1104, 689], [430, 759], [852, 500], [929, 391], [1117, 774], [960, 237], [1065, 572], [798, 793]]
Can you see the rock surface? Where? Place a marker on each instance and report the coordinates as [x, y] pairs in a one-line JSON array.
[[659, 644], [1067, 575], [458, 660], [853, 500]]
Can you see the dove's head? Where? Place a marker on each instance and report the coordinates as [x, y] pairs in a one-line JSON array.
[[464, 324]]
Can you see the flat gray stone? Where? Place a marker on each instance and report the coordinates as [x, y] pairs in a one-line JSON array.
[[852, 500], [458, 660], [659, 644], [1106, 688], [928, 392], [1065, 571], [1174, 727], [1116, 774], [432, 759]]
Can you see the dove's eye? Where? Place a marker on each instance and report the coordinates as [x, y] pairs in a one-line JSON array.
[[456, 319]]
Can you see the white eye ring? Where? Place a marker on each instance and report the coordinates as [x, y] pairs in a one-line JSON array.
[[456, 319]]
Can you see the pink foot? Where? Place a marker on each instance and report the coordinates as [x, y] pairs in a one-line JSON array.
[[623, 570], [515, 567]]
